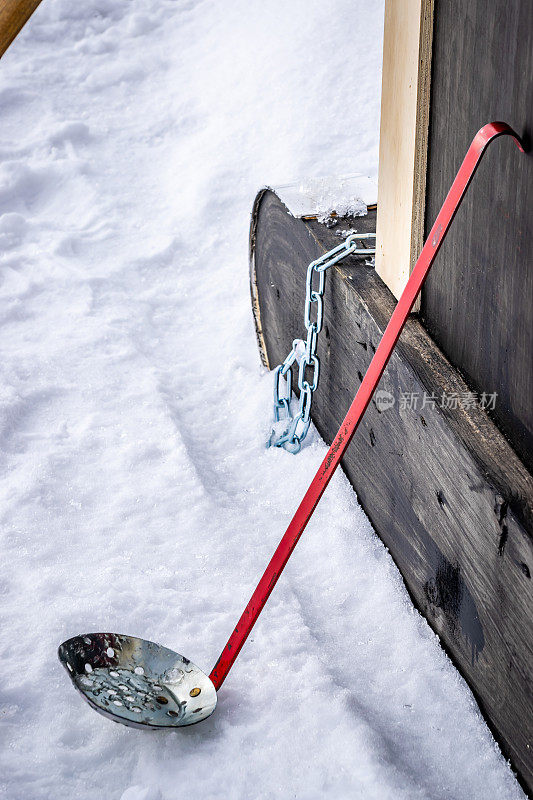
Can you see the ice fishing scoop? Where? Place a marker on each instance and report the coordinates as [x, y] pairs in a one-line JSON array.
[[144, 685], [136, 682]]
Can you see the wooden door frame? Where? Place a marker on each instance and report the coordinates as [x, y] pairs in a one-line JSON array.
[[407, 44]]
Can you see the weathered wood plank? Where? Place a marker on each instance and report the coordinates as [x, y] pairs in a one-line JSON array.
[[13, 16], [443, 488], [477, 302], [403, 138]]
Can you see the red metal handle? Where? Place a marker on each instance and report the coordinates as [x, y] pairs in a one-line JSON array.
[[361, 400]]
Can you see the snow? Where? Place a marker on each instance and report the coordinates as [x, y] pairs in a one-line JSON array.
[[345, 195], [137, 494]]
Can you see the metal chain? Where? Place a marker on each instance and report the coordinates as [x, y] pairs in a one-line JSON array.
[[304, 353]]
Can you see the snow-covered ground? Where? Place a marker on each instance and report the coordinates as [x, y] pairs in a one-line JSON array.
[[136, 491]]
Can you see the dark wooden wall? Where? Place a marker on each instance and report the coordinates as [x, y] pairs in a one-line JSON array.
[[442, 487], [478, 300]]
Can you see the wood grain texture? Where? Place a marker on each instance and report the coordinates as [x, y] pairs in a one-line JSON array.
[[478, 300], [403, 138], [425, 49], [443, 488], [13, 16]]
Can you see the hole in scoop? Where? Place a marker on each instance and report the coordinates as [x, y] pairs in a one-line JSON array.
[[161, 699], [88, 668], [136, 709], [117, 702], [173, 713], [174, 674], [69, 666], [138, 671], [110, 652]]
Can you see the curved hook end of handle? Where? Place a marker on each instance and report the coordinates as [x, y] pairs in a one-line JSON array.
[[492, 129]]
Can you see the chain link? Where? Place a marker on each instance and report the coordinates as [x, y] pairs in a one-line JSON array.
[[305, 353]]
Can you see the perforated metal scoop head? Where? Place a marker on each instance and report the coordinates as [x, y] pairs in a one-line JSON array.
[[137, 682]]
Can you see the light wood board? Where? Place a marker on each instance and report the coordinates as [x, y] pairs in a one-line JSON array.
[[403, 138]]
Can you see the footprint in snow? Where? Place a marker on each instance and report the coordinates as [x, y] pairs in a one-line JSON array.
[[26, 189], [13, 229]]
